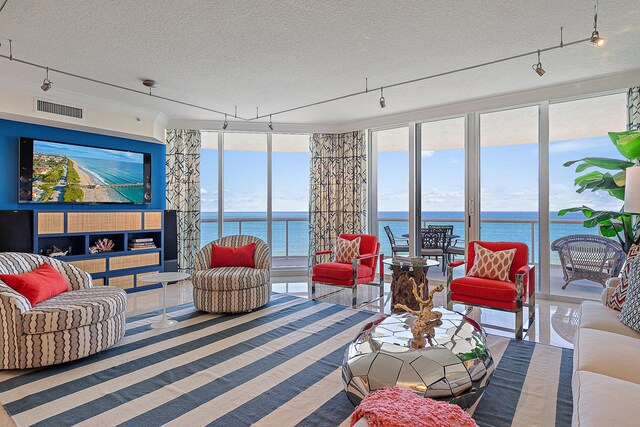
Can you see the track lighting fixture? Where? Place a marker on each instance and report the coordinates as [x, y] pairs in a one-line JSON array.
[[149, 84], [595, 39], [46, 83], [538, 67]]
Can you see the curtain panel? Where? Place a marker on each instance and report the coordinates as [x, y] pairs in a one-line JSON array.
[[633, 108], [338, 188], [183, 191]]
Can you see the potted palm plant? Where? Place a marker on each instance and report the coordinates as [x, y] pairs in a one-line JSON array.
[[610, 177]]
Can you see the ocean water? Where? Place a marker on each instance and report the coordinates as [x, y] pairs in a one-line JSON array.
[[298, 231], [116, 172]]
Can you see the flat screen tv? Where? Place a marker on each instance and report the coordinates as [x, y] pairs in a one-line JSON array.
[[60, 172]]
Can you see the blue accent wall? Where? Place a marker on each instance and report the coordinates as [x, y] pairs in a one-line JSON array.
[[10, 133]]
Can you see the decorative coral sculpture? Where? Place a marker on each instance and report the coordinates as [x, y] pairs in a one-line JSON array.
[[426, 319], [102, 245]]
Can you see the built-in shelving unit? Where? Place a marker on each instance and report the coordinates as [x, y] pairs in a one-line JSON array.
[[76, 232]]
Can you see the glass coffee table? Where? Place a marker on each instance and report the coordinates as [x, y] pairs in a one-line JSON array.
[[401, 288], [455, 365]]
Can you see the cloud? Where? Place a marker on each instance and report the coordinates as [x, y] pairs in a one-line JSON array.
[[428, 153], [203, 191]]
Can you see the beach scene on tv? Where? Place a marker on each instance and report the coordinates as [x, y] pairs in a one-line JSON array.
[[78, 174]]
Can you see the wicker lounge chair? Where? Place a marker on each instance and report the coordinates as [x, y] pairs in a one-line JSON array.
[[589, 257]]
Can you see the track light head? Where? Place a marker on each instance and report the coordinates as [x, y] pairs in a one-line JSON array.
[[46, 83], [538, 67], [595, 39], [270, 123], [226, 123], [383, 102]]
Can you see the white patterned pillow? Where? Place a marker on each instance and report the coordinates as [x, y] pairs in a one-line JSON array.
[[630, 313], [346, 250], [491, 265]]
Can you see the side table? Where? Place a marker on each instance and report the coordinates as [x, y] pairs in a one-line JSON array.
[[165, 279], [401, 289]]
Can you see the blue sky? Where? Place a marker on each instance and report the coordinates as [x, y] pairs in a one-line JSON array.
[[71, 150], [509, 179]]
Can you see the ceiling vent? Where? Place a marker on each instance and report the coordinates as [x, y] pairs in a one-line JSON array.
[[59, 109]]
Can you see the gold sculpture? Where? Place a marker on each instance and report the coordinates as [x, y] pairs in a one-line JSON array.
[[426, 319]]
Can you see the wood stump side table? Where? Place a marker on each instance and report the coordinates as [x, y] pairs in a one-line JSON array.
[[401, 289]]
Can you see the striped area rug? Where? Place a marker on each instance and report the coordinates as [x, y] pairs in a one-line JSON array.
[[279, 365]]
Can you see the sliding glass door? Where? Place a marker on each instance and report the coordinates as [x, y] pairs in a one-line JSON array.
[[443, 175], [392, 157], [509, 177], [290, 199], [208, 187], [245, 184], [578, 129]]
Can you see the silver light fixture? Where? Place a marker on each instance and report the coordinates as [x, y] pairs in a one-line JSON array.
[[595, 39], [226, 123], [46, 83], [383, 103], [270, 123], [538, 67]]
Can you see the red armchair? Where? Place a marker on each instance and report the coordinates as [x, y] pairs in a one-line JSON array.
[[362, 269], [510, 296]]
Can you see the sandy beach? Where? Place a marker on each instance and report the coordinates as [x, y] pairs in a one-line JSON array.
[[91, 195]]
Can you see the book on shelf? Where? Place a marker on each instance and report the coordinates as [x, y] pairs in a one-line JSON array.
[[142, 240]]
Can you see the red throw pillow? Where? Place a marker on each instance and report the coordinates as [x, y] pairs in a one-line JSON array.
[[38, 285], [225, 256]]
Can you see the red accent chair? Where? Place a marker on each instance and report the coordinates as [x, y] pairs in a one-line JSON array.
[[361, 270], [510, 296]]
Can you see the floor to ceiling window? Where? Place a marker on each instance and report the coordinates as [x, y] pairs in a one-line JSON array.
[[509, 177], [578, 129], [290, 199], [392, 151], [443, 175], [209, 187], [245, 184]]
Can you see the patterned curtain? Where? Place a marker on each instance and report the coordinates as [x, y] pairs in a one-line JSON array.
[[183, 191], [338, 187], [633, 108]]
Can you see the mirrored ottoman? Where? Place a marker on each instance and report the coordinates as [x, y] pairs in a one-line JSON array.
[[455, 365]]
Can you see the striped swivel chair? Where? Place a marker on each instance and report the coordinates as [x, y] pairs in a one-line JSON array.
[[232, 289], [69, 326]]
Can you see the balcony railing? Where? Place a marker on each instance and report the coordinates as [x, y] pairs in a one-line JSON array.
[[533, 223], [302, 240]]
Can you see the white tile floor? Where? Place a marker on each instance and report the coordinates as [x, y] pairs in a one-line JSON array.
[[555, 321]]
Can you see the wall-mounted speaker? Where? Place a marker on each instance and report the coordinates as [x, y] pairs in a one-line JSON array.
[[26, 171], [170, 241], [16, 231], [147, 178]]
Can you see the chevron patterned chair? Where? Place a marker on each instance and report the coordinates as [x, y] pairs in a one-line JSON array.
[[74, 324], [232, 289]]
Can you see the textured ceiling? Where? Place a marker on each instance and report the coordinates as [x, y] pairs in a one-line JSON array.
[[280, 54]]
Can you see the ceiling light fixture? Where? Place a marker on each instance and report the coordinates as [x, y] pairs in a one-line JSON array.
[[226, 123], [538, 67], [270, 123], [595, 39], [46, 83]]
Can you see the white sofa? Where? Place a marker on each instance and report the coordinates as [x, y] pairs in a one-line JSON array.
[[606, 368]]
